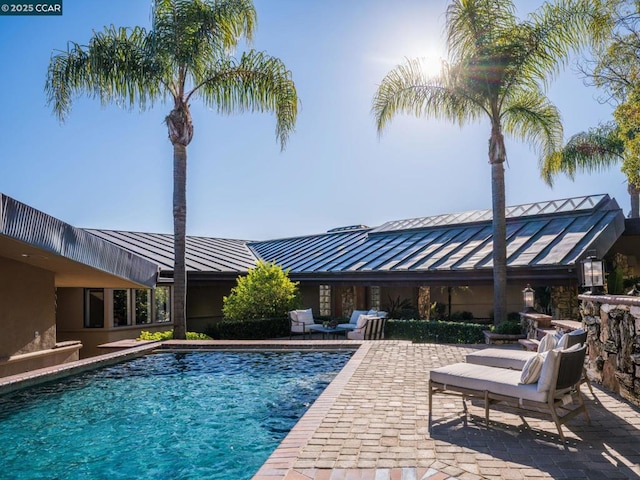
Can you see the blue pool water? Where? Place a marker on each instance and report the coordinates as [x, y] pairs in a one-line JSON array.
[[200, 415]]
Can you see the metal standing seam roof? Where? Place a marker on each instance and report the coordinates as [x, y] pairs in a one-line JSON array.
[[203, 254], [539, 235], [546, 234], [56, 241]]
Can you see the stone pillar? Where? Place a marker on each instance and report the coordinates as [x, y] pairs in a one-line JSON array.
[[613, 325], [424, 302]]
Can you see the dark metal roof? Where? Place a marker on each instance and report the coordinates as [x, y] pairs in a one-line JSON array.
[[76, 257], [202, 254], [542, 235]]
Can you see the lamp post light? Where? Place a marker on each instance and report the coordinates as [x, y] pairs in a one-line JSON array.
[[528, 295], [593, 274]]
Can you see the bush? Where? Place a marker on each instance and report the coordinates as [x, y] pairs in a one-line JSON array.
[[508, 328], [421, 331], [266, 292], [253, 329], [460, 316], [168, 335]]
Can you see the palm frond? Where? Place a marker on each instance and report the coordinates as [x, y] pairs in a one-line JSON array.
[[529, 115], [593, 151], [408, 89], [114, 67], [257, 83]]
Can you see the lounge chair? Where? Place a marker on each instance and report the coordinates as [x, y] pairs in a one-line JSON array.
[[516, 359], [368, 328], [300, 321], [556, 390]]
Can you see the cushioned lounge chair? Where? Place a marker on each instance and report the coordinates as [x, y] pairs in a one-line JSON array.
[[516, 359], [557, 390]]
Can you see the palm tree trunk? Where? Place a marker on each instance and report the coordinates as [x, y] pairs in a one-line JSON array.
[[634, 193], [180, 133], [179, 241], [497, 155]]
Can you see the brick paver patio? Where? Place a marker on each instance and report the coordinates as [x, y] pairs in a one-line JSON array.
[[372, 423]]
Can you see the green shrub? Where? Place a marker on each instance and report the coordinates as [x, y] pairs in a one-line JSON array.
[[265, 292], [421, 331], [508, 328], [253, 329], [460, 316], [168, 335]]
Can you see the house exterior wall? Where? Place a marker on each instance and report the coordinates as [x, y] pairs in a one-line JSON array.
[[70, 320], [204, 304], [27, 315]]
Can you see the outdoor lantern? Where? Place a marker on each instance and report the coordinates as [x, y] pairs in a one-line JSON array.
[[528, 296], [592, 273]]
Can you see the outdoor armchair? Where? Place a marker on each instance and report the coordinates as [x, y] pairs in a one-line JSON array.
[[300, 321], [368, 327]]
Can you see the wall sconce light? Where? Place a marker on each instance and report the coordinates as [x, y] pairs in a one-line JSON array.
[[593, 273], [528, 296]]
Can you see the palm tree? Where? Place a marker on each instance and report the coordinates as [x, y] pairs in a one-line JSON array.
[[186, 55], [592, 151], [497, 68]]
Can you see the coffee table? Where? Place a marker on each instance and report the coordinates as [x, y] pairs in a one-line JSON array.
[[328, 330]]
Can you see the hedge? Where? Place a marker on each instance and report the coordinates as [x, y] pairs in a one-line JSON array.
[[257, 329], [422, 331]]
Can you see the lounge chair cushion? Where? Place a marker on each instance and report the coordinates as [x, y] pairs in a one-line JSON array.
[[564, 340], [304, 317], [547, 343], [362, 321], [533, 368], [548, 369], [500, 357], [356, 314], [502, 381]]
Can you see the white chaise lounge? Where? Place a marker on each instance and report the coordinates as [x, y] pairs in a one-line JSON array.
[[556, 390]]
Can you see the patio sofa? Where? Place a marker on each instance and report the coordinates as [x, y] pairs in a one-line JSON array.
[[556, 389], [353, 320], [368, 327]]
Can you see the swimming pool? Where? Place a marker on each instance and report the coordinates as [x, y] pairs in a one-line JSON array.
[[214, 415]]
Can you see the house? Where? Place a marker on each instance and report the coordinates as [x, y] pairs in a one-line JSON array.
[[404, 265], [38, 256]]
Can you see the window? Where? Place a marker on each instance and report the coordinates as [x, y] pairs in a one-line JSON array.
[[143, 306], [375, 297], [162, 297], [137, 306], [94, 308], [325, 300], [120, 308]]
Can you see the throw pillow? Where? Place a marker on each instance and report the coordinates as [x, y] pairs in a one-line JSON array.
[[294, 316], [305, 316], [547, 343], [362, 321], [356, 314], [548, 370], [532, 368]]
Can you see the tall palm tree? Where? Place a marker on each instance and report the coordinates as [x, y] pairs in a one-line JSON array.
[[497, 68], [592, 151], [186, 55]]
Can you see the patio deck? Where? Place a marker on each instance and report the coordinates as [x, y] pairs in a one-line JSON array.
[[372, 423]]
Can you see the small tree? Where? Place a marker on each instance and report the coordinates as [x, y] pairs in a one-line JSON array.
[[266, 292]]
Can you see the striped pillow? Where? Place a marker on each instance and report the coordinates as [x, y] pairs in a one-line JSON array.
[[532, 368]]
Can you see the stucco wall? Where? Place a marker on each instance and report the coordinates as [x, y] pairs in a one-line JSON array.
[[27, 313], [204, 305]]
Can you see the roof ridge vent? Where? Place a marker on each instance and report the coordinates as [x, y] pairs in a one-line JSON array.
[[348, 228]]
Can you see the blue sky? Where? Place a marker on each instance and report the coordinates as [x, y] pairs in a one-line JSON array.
[[112, 169]]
